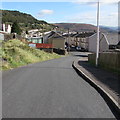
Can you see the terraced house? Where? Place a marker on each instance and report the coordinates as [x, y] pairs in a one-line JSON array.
[[108, 42]]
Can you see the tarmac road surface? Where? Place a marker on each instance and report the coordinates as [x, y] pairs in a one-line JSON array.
[[50, 89]]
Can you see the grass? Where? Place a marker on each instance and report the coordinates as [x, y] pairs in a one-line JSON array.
[[16, 53]]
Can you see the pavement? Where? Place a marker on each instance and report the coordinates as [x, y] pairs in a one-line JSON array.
[[105, 82], [51, 89]]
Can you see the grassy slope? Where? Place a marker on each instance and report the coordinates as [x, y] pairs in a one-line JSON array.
[[16, 53], [24, 20]]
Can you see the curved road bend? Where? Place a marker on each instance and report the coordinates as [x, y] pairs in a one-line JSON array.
[[51, 89]]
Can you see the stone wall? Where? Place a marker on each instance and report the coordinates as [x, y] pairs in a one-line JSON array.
[[107, 60]]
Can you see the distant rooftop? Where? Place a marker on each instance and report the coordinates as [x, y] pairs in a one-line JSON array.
[[112, 38], [54, 34]]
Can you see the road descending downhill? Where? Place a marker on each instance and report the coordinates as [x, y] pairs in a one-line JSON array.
[[50, 89]]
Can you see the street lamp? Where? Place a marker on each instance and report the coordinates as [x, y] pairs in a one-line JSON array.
[[97, 50]]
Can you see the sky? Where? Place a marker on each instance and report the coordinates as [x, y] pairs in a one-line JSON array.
[[68, 12]]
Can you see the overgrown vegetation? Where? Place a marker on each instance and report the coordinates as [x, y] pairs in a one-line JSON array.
[[16, 53], [16, 28]]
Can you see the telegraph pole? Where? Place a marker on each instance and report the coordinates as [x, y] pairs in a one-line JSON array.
[[68, 40], [97, 50], [43, 35]]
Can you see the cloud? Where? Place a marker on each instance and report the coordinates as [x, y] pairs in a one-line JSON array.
[[94, 2], [113, 14], [91, 18], [85, 17], [110, 19], [77, 1], [108, 12], [45, 12]]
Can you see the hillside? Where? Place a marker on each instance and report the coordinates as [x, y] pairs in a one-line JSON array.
[[26, 21], [78, 27], [110, 29], [16, 53]]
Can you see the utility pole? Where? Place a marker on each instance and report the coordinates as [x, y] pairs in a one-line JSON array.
[[68, 40], [97, 50], [43, 35]]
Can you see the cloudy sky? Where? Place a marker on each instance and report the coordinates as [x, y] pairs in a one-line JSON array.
[[64, 11]]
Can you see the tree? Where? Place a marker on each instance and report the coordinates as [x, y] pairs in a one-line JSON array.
[[15, 28]]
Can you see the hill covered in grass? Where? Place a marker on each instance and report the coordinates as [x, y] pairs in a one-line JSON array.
[[16, 53], [79, 27], [26, 21]]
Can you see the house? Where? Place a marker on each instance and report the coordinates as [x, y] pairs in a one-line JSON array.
[[57, 40], [33, 30], [35, 40], [70, 38], [82, 39], [78, 39], [107, 42], [34, 33], [112, 40], [51, 41], [6, 28], [46, 36], [5, 36]]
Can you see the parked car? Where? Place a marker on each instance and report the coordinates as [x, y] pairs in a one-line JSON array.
[[78, 48]]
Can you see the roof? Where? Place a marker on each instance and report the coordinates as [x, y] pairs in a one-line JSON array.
[[119, 43], [81, 35], [84, 35], [34, 37], [71, 35], [55, 35], [112, 38]]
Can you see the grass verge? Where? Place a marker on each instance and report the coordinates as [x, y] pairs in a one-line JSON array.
[[15, 53]]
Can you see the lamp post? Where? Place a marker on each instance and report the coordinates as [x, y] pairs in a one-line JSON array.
[[97, 50]]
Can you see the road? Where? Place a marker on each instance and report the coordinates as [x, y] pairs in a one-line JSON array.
[[51, 89]]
